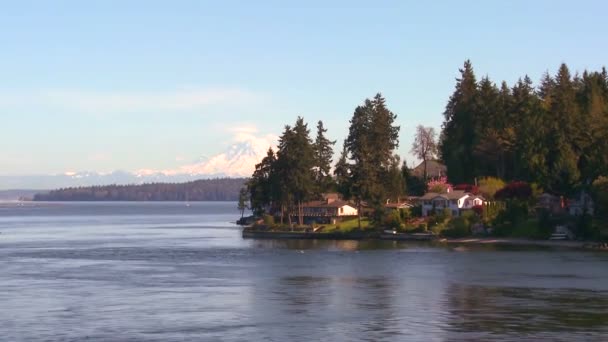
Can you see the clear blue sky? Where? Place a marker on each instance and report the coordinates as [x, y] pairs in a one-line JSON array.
[[105, 85]]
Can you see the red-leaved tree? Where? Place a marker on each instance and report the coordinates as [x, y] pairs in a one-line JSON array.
[[514, 190]]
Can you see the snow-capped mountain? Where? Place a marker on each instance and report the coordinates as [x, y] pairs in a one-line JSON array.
[[237, 161]]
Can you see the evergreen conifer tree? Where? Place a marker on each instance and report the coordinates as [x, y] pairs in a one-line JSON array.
[[323, 154], [459, 136]]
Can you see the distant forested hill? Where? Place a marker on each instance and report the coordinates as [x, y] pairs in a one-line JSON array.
[[218, 189], [16, 194]]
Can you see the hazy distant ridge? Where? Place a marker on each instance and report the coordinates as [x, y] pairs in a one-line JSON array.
[[237, 161], [16, 194], [218, 189]]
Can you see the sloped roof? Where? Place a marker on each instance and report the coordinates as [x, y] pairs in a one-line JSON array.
[[477, 196], [398, 205], [454, 194], [433, 169], [331, 196], [324, 204], [430, 196]]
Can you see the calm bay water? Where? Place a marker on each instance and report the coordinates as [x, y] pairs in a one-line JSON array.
[[171, 272]]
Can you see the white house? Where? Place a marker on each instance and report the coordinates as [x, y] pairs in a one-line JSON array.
[[329, 210], [583, 203], [455, 200]]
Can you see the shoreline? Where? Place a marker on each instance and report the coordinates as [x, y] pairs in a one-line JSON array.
[[489, 241], [519, 242], [285, 235]]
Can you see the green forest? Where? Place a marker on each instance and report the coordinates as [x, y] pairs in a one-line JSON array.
[[551, 138], [368, 171], [218, 189], [554, 134]]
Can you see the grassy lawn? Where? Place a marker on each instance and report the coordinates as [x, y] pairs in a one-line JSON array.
[[342, 227], [345, 226]]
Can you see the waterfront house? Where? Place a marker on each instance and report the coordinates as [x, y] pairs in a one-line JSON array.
[[331, 209], [551, 203], [581, 204], [454, 200]]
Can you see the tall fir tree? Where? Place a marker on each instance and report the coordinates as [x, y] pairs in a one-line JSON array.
[[371, 141], [486, 127], [394, 182], [296, 161], [342, 175], [384, 134], [563, 136], [458, 136], [593, 102], [262, 184], [363, 180], [323, 154], [530, 149]]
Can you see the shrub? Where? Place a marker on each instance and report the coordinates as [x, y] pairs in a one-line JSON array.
[[501, 230], [489, 186], [468, 188], [478, 209], [444, 214], [405, 214], [458, 227], [439, 185], [416, 211], [529, 229], [378, 215], [585, 228], [537, 190], [439, 217], [438, 229], [392, 220], [545, 224], [514, 190], [600, 194], [514, 213], [491, 210], [268, 220]]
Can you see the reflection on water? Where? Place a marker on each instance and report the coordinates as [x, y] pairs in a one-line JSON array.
[[530, 311], [167, 272], [342, 245]]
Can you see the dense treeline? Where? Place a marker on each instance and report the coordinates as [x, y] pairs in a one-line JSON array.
[[509, 143], [298, 172], [367, 172], [554, 135], [219, 189]]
